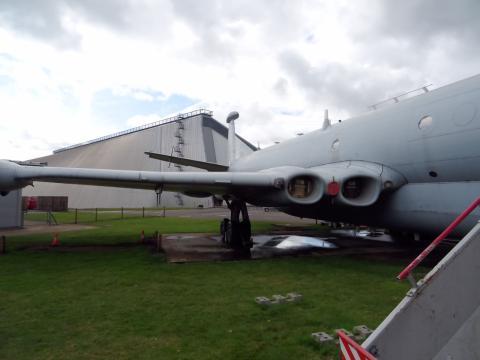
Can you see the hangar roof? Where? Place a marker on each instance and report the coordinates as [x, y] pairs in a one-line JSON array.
[[168, 120]]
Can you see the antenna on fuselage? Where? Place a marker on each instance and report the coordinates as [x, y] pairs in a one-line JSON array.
[[326, 120], [231, 136], [398, 98]]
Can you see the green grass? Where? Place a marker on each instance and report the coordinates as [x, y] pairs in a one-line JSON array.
[[128, 231], [129, 303]]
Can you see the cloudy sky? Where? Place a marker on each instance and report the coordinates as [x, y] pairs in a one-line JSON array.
[[73, 70]]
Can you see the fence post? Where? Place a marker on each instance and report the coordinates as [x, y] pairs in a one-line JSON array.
[[76, 215], [96, 214], [3, 245], [143, 211], [159, 239], [164, 211], [122, 212]]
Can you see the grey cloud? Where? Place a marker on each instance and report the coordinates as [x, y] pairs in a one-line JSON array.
[[279, 20], [411, 21], [398, 46], [420, 35], [40, 19], [449, 27], [423, 20], [281, 87], [112, 13], [397, 42], [45, 20], [350, 89], [218, 24], [209, 21], [206, 20]]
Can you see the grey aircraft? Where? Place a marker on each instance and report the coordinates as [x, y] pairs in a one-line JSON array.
[[410, 167]]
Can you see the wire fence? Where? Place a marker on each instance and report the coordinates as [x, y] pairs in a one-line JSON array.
[[82, 216]]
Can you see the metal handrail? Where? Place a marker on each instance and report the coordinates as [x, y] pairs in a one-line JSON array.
[[408, 270], [361, 352], [171, 119]]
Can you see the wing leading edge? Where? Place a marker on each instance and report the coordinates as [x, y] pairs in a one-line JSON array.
[[14, 176], [351, 183]]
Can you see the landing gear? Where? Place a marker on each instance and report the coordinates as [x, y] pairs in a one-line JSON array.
[[408, 239], [237, 233]]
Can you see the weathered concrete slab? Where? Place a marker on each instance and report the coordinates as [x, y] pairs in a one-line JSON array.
[[262, 300], [199, 247], [278, 299], [294, 297], [322, 337], [192, 248]]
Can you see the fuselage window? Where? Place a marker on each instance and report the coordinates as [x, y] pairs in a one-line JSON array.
[[335, 145], [425, 122]]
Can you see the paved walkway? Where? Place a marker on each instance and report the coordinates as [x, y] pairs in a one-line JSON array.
[[34, 227]]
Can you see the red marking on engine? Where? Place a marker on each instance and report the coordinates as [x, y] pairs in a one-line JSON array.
[[333, 188]]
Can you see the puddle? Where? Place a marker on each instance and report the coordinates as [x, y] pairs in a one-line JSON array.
[[190, 247], [362, 234], [182, 237], [291, 242]]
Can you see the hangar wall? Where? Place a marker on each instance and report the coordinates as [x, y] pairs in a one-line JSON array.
[[11, 214], [195, 135]]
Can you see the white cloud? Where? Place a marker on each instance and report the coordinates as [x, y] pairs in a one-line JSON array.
[[279, 63]]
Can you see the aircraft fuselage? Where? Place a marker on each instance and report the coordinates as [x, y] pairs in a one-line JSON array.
[[431, 139]]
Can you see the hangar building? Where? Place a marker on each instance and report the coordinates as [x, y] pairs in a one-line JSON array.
[[195, 135]]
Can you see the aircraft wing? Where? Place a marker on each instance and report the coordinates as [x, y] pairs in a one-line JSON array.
[[13, 176], [350, 183]]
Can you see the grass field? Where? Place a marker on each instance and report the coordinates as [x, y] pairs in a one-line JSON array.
[[128, 303]]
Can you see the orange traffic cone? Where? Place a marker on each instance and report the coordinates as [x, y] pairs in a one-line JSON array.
[[55, 240], [142, 237]]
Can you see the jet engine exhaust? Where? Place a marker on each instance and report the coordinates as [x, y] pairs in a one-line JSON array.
[[360, 190], [305, 189]]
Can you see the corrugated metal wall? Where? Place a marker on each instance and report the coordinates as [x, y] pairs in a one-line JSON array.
[[11, 210], [126, 152]]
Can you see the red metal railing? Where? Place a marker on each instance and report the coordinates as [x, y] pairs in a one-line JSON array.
[[350, 350], [408, 270]]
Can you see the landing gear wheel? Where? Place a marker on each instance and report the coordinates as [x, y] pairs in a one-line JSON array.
[[224, 226], [405, 239], [236, 233]]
